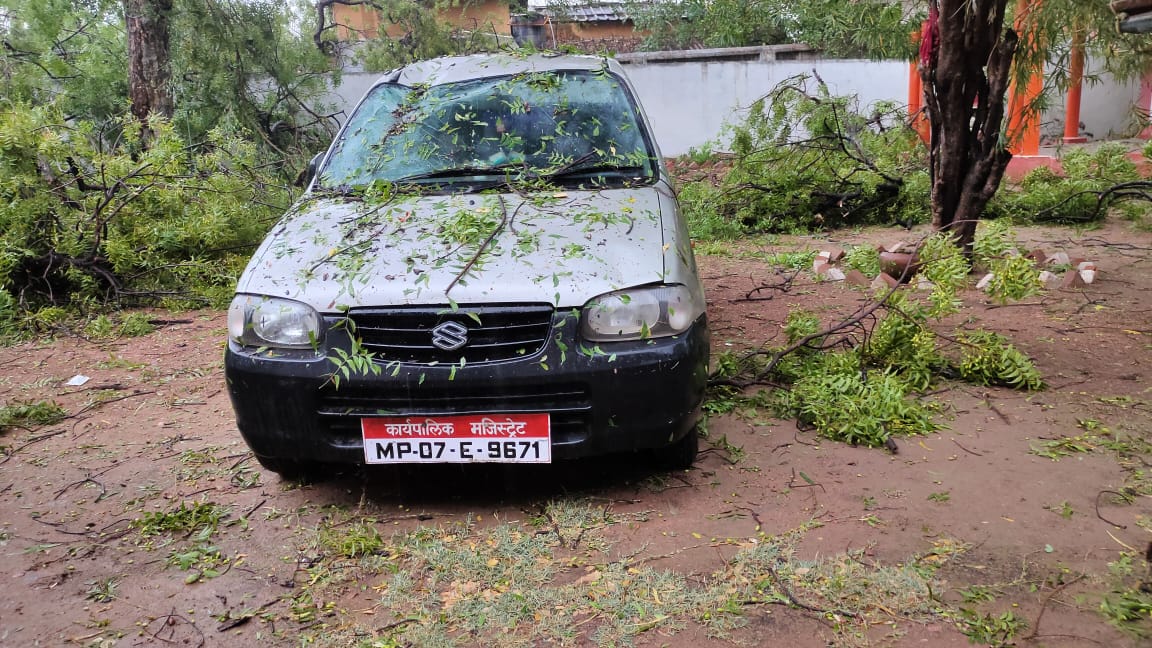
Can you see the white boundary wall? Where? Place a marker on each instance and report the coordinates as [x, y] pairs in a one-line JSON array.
[[688, 103]]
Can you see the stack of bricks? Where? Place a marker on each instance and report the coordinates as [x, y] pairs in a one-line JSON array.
[[1059, 270], [1077, 273]]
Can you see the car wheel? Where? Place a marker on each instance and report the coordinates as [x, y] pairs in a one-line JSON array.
[[682, 454], [291, 469]]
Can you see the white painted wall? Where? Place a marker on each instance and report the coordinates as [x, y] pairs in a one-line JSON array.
[[1107, 109], [688, 102]]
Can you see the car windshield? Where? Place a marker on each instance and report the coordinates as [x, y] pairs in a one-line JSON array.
[[572, 128]]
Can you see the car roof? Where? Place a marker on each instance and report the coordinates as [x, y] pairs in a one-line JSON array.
[[453, 69]]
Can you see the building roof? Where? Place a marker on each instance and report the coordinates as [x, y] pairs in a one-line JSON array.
[[583, 10]]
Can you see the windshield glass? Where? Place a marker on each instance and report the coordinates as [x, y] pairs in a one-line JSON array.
[[570, 127]]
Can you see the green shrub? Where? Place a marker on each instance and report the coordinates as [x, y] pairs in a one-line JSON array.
[[1074, 197], [865, 258], [989, 359], [25, 413], [86, 221], [807, 161], [858, 407]]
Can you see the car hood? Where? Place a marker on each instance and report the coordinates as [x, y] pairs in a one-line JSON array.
[[562, 248]]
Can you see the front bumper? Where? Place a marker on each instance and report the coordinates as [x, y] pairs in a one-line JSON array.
[[625, 396]]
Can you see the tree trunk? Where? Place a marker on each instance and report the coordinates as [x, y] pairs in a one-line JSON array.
[[149, 61], [966, 60]]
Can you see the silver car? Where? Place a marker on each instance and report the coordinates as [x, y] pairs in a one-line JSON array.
[[489, 265]]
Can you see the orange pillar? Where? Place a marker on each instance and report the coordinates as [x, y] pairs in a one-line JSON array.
[[1024, 119], [916, 93], [1075, 88]]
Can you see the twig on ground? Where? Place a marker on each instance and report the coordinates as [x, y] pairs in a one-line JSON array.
[[1102, 518], [1044, 607], [11, 453], [169, 621], [779, 583], [971, 452]]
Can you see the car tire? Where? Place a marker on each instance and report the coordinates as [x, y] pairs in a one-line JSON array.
[[681, 454], [290, 469]]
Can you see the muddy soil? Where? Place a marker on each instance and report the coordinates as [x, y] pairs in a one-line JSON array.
[[153, 428]]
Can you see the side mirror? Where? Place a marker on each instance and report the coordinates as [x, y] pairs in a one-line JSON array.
[[313, 167]]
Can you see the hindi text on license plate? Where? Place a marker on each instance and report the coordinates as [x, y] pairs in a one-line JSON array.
[[503, 438]]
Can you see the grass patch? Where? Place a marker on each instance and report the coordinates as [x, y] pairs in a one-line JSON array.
[[555, 578]]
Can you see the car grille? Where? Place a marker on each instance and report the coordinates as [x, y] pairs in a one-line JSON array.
[[494, 333], [568, 405]]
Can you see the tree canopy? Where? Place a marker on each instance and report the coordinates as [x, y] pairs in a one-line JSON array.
[[248, 63]]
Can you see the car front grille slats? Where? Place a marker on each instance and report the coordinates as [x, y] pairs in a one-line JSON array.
[[494, 333]]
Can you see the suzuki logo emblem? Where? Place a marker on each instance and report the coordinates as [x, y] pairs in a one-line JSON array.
[[450, 336]]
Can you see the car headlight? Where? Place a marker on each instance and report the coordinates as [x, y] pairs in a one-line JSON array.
[[255, 320], [640, 313]]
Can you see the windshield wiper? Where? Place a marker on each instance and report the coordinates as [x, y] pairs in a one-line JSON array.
[[460, 172], [595, 169]]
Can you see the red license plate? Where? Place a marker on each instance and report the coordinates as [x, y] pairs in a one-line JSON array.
[[494, 438]]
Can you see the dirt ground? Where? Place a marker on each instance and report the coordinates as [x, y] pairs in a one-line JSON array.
[[1003, 529]]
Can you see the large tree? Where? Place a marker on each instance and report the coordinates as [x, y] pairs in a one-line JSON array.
[[244, 63], [971, 56], [966, 63], [149, 57]]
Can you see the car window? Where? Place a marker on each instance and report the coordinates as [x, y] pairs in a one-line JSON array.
[[570, 127]]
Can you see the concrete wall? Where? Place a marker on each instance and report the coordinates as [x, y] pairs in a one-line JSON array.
[[1107, 109], [689, 101]]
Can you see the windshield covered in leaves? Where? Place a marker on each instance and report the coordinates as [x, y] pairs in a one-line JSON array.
[[569, 128]]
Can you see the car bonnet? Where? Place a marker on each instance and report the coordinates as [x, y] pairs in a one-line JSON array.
[[561, 248]]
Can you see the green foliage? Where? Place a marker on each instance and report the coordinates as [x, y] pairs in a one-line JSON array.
[[236, 64], [866, 392], [414, 31], [357, 362], [877, 30], [200, 518], [903, 344], [698, 203], [942, 262], [989, 359], [66, 51], [357, 540], [9, 320], [858, 407], [83, 221], [102, 591], [865, 258], [1128, 607], [23, 414], [807, 160], [991, 630], [1073, 197], [103, 327], [996, 250], [800, 324], [1014, 277], [202, 559], [250, 66], [691, 24], [136, 325], [851, 29], [995, 239]]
